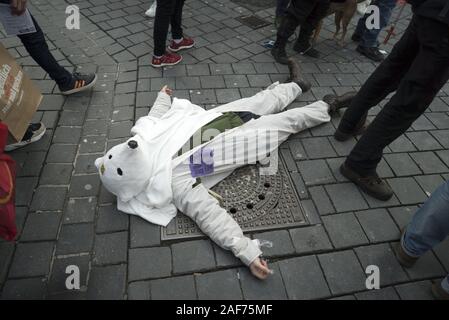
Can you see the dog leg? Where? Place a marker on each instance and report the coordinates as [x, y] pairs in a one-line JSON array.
[[338, 19]]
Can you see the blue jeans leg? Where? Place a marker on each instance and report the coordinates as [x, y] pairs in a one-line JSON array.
[[369, 36], [430, 225]]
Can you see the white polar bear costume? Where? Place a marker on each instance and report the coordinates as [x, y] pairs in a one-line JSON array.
[[150, 181]]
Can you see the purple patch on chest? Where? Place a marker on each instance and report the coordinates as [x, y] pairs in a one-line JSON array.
[[202, 162]]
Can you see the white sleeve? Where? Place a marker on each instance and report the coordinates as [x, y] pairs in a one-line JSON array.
[[161, 105], [213, 220]]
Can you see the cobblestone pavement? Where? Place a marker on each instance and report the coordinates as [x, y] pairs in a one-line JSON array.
[[66, 218]]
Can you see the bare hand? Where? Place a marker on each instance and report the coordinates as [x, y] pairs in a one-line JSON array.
[[167, 90], [259, 269], [18, 7]]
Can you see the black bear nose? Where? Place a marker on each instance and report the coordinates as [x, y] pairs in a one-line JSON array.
[[132, 144]]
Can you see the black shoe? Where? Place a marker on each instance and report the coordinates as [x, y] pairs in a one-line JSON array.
[[338, 102], [80, 82], [356, 38], [306, 49], [279, 54], [371, 53], [372, 184], [296, 77], [358, 130], [438, 292], [34, 133]]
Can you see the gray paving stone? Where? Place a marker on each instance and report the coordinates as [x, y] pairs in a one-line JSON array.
[[192, 256], [382, 294], [49, 199], [86, 163], [6, 254], [24, 289], [282, 244], [415, 291], [427, 266], [84, 186], [225, 258], [441, 252], [344, 230], [120, 129], [403, 215], [382, 256], [212, 82], [303, 278], [402, 164], [148, 263], [423, 140], [139, 290], [378, 225], [407, 190], [75, 238], [60, 272], [315, 172], [402, 144], [95, 127], [144, 233], [310, 239], [67, 135], [176, 288], [429, 183], [439, 119], [442, 137], [343, 272], [41, 226], [429, 162], [24, 190], [56, 174], [110, 219], [110, 248], [270, 289], [80, 210], [31, 260], [107, 283], [220, 285], [340, 193], [318, 147]]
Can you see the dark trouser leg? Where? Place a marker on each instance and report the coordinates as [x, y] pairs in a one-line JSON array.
[[164, 11], [176, 20], [281, 7], [37, 47], [297, 12], [425, 77], [312, 21], [384, 80]]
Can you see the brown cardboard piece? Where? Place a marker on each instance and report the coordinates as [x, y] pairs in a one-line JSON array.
[[19, 97]]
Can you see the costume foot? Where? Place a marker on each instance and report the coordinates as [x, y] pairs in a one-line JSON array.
[[279, 54], [359, 129], [296, 77], [337, 102]]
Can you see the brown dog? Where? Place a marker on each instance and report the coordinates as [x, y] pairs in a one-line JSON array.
[[344, 11]]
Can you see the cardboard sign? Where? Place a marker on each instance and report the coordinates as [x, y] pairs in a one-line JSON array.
[[19, 97]]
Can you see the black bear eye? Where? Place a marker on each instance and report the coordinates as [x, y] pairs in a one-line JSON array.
[[110, 156], [119, 171]]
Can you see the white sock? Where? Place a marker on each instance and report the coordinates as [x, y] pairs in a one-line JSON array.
[[158, 57], [178, 41]]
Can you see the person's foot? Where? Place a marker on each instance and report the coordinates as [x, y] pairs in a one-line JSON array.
[[359, 129], [306, 49], [404, 259], [296, 76], [356, 37], [185, 43], [371, 53], [80, 82], [168, 59], [279, 54], [338, 102], [438, 291], [371, 184], [34, 133]]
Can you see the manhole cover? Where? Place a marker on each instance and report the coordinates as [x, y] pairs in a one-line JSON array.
[[257, 202], [254, 22]]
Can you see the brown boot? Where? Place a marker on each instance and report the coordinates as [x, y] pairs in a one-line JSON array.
[[438, 292], [338, 102], [296, 76], [358, 130]]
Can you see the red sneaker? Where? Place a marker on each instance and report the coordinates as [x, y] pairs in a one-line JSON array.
[[168, 59], [186, 43]]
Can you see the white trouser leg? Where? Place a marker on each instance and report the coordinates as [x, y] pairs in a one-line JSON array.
[[274, 99]]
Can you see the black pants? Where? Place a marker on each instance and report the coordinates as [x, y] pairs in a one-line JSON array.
[[168, 12], [37, 47], [417, 68], [304, 13]]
